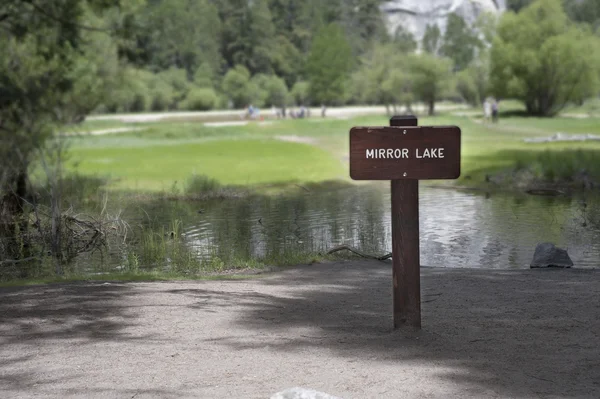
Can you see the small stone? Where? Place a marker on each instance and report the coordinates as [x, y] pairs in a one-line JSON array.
[[302, 393], [548, 255]]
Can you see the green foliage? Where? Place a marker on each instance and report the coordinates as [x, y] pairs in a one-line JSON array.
[[329, 65], [132, 94], [431, 41], [383, 77], [460, 42], [183, 34], [517, 5], [300, 93], [587, 11], [162, 94], [204, 76], [431, 78], [199, 185], [236, 85], [200, 99], [270, 90], [472, 83], [177, 79], [248, 37], [404, 40], [544, 60], [51, 73]]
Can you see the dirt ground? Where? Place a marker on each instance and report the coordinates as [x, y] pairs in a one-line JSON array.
[[328, 327]]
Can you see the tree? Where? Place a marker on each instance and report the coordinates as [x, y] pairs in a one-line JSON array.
[[383, 77], [248, 34], [460, 42], [472, 83], [517, 5], [183, 34], [404, 41], [363, 24], [57, 64], [587, 11], [544, 60], [431, 39], [431, 78], [329, 65], [300, 93], [236, 85]]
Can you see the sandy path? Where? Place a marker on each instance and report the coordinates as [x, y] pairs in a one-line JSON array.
[[337, 112], [487, 334]]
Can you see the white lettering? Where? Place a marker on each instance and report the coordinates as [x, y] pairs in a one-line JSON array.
[[389, 153], [431, 153]]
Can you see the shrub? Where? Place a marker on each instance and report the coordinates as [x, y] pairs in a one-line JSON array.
[[200, 184], [300, 92], [200, 99]]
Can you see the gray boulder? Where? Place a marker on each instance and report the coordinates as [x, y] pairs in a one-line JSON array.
[[302, 393], [548, 255]]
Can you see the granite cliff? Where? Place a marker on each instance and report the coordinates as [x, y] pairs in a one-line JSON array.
[[415, 15]]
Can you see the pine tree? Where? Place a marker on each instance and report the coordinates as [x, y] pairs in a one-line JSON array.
[[329, 65]]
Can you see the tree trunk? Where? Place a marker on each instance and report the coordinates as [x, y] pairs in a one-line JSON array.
[[13, 226], [431, 107]]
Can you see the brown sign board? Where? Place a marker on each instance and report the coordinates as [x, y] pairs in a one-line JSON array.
[[404, 152]]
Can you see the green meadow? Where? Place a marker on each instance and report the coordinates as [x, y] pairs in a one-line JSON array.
[[165, 156]]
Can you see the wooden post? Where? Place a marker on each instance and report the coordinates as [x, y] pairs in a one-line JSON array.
[[405, 153], [406, 263]]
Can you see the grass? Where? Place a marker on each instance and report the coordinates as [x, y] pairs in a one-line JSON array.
[[238, 270], [230, 162], [167, 155]]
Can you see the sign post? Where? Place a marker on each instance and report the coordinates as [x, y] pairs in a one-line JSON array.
[[405, 153]]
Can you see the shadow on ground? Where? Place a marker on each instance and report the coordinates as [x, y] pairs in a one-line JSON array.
[[513, 333], [486, 333], [86, 311]]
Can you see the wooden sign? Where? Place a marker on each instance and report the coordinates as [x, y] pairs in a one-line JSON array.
[[391, 153], [404, 153]]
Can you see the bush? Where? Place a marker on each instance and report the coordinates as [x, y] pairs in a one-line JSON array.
[[200, 184], [236, 85], [132, 95], [200, 99], [300, 93], [177, 79]]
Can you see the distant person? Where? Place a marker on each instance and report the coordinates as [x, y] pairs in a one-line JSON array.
[[250, 112], [323, 110], [487, 110], [277, 111], [494, 111], [302, 112]]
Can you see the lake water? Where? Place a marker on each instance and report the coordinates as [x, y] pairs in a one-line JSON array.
[[457, 228]]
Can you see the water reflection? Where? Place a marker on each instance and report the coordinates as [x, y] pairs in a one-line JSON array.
[[457, 229]]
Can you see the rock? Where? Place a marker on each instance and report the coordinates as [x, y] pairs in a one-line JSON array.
[[548, 255], [302, 393], [414, 15]]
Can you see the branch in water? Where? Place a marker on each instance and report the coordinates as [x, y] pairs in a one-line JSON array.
[[356, 251]]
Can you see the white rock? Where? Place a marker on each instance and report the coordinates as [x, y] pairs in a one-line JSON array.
[[415, 15], [302, 393]]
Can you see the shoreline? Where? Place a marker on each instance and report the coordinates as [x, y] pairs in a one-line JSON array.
[[249, 273]]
